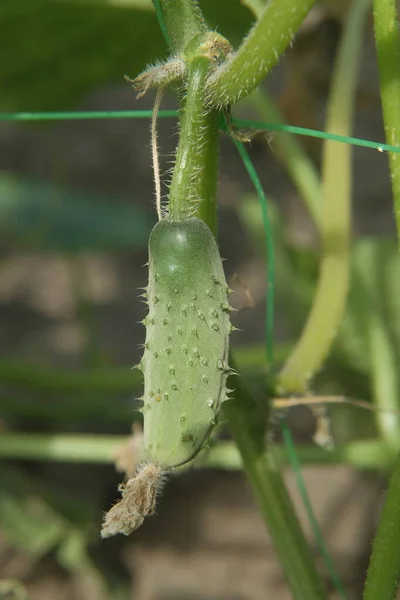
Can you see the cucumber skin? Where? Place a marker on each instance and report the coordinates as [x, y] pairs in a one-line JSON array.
[[185, 362]]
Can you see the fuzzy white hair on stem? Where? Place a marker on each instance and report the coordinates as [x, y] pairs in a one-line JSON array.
[[154, 152]]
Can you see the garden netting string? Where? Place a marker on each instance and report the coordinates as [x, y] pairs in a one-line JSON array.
[[147, 114]]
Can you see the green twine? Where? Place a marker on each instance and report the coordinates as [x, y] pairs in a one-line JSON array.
[[301, 486], [161, 23], [84, 115], [270, 259], [146, 114]]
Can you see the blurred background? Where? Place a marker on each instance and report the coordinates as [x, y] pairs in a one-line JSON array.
[[76, 209]]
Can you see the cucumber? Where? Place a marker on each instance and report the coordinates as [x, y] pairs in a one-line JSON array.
[[185, 360]]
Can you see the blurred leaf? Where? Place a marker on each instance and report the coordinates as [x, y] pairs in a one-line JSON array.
[[56, 51], [72, 553], [27, 522], [371, 279], [378, 260], [51, 218], [12, 589], [32, 524], [389, 265]]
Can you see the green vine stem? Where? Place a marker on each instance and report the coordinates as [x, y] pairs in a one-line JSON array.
[[182, 22], [247, 424], [330, 298], [260, 51], [384, 570], [387, 38], [380, 348], [194, 181], [369, 454]]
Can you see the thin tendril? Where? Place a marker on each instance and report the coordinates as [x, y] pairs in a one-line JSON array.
[[154, 151]]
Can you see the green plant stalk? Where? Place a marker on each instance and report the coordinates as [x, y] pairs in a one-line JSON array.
[[259, 52], [382, 359], [330, 298], [387, 40], [384, 379], [247, 425], [194, 181], [299, 166], [369, 454], [183, 22], [384, 568], [61, 447]]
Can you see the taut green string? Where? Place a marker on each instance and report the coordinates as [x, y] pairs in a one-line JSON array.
[[325, 135], [146, 114], [158, 10], [84, 115], [270, 259]]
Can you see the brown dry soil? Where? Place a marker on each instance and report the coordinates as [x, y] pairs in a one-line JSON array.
[[207, 541]]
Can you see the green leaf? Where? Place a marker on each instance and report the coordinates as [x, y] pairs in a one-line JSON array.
[[27, 521]]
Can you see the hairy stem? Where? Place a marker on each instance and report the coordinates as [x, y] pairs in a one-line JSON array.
[[182, 22], [247, 424], [388, 47], [259, 52], [330, 298], [194, 181]]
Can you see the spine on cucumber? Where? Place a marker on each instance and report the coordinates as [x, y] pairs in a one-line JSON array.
[[185, 361]]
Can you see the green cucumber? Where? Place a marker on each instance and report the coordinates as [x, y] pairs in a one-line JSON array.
[[185, 361]]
